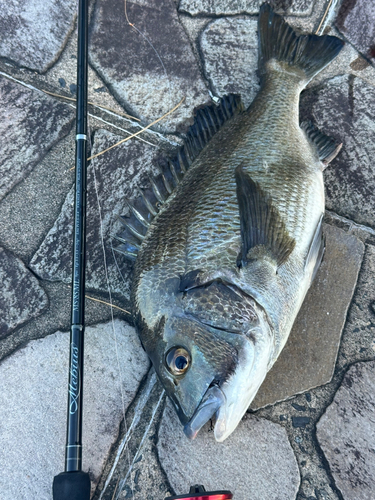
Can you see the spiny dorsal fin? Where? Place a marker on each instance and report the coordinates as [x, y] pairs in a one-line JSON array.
[[130, 250], [142, 211], [327, 147], [208, 120], [263, 232]]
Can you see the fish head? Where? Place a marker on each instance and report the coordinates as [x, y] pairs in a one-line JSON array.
[[211, 354]]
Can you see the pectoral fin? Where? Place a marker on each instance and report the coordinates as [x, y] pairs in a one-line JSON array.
[[190, 280], [316, 250], [262, 229]]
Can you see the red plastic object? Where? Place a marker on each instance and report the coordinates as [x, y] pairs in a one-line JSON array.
[[214, 495], [199, 493]]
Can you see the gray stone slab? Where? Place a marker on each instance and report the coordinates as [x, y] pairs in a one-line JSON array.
[[118, 172], [57, 316], [149, 67], [21, 297], [230, 55], [223, 7], [356, 21], [33, 405], [343, 108], [30, 209], [359, 333], [135, 471], [309, 357], [30, 124], [346, 433], [255, 462], [34, 32]]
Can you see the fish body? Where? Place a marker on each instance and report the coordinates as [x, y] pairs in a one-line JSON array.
[[225, 264]]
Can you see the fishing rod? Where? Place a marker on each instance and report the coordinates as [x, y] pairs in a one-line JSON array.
[[73, 483]]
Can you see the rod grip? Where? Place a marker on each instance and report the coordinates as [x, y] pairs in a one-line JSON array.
[[71, 486]]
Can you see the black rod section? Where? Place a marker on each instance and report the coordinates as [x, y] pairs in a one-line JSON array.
[[73, 453], [73, 483]]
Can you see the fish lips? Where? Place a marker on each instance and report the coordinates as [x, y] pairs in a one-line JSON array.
[[208, 407], [227, 400]]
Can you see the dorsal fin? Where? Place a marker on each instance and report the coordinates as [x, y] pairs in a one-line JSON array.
[[208, 120], [263, 232], [327, 147]]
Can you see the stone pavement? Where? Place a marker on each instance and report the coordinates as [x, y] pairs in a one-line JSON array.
[[310, 432]]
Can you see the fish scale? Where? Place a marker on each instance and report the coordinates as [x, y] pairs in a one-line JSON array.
[[231, 252], [277, 180]]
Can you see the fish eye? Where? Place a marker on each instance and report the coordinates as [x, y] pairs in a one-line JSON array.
[[177, 360]]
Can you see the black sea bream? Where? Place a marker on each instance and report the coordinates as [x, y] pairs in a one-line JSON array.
[[229, 238]]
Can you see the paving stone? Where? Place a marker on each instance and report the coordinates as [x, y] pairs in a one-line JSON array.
[[57, 316], [149, 67], [21, 297], [344, 108], [30, 124], [230, 54], [308, 358], [30, 209], [255, 462], [34, 32], [356, 21], [118, 173], [33, 399], [137, 474], [223, 7], [359, 332], [346, 433]]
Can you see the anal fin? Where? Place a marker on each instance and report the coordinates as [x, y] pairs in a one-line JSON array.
[[327, 147], [263, 232]]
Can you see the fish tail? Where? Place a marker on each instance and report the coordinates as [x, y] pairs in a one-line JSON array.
[[279, 42]]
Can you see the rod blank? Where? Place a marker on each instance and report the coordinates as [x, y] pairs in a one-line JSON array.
[[73, 484]]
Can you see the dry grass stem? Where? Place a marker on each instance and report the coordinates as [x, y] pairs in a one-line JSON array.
[[324, 16], [100, 106], [118, 480], [135, 134], [106, 303], [139, 131]]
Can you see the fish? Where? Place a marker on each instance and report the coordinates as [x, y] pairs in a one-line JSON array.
[[227, 239]]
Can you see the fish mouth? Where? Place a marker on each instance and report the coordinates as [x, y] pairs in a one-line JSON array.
[[212, 401], [230, 399]]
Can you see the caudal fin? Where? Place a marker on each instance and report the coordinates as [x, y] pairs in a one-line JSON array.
[[278, 41]]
